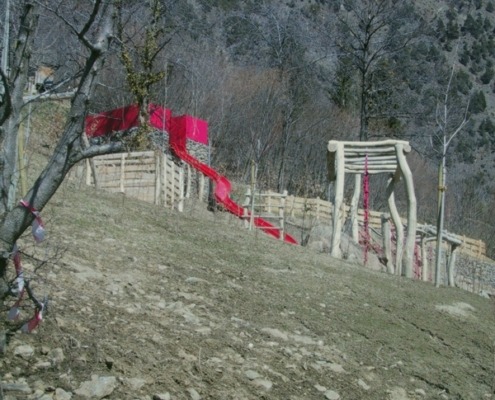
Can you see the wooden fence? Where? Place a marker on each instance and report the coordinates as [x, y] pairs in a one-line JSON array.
[[322, 210], [157, 178], [273, 209], [152, 177]]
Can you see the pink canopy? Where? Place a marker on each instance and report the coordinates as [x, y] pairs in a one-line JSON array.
[[124, 118]]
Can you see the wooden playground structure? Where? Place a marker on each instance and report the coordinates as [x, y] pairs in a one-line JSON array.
[[368, 158], [161, 179]]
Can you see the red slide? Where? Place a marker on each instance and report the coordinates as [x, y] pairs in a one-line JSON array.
[[180, 129], [222, 184]]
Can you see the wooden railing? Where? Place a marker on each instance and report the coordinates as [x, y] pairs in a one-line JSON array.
[[322, 210], [148, 176], [272, 209], [157, 178]]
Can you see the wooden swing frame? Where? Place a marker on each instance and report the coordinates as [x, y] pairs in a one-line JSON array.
[[387, 156]]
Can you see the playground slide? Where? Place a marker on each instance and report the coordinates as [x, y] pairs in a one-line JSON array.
[[222, 193], [180, 129]]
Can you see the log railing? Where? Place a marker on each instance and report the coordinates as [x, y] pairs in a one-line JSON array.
[[321, 210], [269, 206], [135, 174], [148, 176]]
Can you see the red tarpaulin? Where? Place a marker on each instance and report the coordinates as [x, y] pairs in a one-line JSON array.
[[161, 118]]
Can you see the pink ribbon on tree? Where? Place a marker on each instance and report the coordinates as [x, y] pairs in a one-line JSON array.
[[32, 324], [38, 231], [38, 228], [14, 311]]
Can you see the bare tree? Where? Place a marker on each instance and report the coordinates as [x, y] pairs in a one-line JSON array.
[[93, 26], [449, 123], [139, 52], [370, 34]]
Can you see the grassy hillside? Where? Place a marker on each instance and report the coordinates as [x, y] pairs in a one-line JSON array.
[[190, 306]]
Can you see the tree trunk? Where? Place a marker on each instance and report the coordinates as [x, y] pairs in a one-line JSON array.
[[69, 150], [440, 222]]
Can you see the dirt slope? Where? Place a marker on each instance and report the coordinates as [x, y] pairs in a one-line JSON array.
[[159, 305]]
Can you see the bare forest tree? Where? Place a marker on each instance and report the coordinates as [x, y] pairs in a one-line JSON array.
[[370, 35], [450, 120]]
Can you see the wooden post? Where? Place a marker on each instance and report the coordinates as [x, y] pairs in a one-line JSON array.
[[353, 213], [88, 173], [399, 229], [188, 181], [281, 214], [122, 173], [246, 206], [158, 157], [338, 203], [411, 211], [171, 186], [253, 187], [451, 265], [164, 179], [387, 242], [424, 259], [201, 188], [180, 204]]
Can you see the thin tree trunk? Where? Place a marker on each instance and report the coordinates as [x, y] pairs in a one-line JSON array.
[[440, 222]]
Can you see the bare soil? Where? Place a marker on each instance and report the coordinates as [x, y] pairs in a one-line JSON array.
[[193, 306]]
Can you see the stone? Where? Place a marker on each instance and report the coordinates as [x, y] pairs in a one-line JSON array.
[[336, 368], [420, 392], [332, 395], [42, 365], [275, 333], [45, 396], [397, 393], [61, 394], [194, 280], [252, 375], [136, 383], [56, 356], [194, 394], [363, 384], [98, 387], [18, 387], [263, 383], [3, 342], [24, 351]]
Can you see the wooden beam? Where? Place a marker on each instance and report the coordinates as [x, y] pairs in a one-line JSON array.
[[338, 205], [411, 212]]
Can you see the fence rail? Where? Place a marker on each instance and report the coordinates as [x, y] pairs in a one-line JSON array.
[[157, 178], [318, 209], [148, 176]]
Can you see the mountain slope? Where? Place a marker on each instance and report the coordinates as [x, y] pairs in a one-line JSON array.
[[189, 306]]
